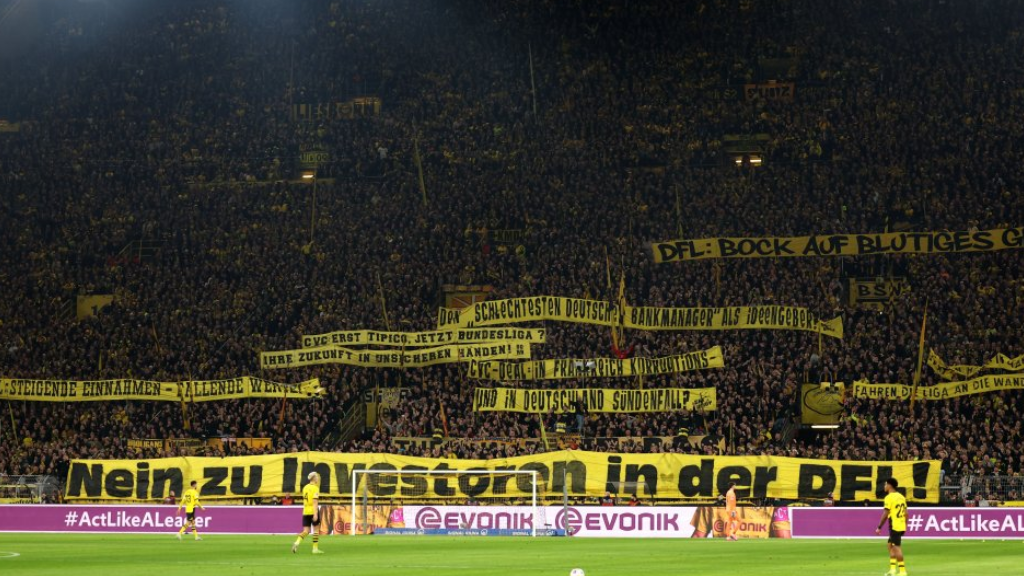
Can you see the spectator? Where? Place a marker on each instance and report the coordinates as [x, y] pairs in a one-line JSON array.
[[184, 205]]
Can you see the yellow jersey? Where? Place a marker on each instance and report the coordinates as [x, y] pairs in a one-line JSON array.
[[309, 493], [190, 500], [896, 504]]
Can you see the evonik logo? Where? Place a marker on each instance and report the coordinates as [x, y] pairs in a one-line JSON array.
[[610, 520], [431, 518]]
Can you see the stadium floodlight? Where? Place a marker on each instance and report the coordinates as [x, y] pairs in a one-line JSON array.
[[414, 483]]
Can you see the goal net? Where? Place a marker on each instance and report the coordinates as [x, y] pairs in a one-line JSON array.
[[377, 493]]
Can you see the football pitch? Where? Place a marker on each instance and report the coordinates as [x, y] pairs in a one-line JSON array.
[[156, 555]]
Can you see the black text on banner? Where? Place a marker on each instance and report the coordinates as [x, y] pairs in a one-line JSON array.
[[596, 367], [664, 476], [594, 400], [840, 245]]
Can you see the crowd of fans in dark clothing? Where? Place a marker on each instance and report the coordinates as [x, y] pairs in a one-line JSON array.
[[179, 132]]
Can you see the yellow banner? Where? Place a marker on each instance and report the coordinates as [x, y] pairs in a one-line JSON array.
[[732, 318], [662, 476], [594, 399], [348, 110], [90, 305], [531, 309], [821, 403], [192, 391], [943, 391], [190, 444], [231, 442], [840, 245], [417, 339], [513, 349], [625, 443], [877, 293], [596, 367], [539, 308], [775, 91], [998, 362]]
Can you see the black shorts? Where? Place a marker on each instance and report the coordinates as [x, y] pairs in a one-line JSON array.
[[190, 516], [307, 521], [896, 537]]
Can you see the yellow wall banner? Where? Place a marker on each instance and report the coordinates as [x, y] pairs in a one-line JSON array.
[[394, 358], [248, 387], [602, 313], [943, 391], [417, 339], [662, 476], [596, 367], [594, 399], [531, 309], [89, 390], [840, 245], [189, 444], [732, 318], [191, 391], [998, 362]]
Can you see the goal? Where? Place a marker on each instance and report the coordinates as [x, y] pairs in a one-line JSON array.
[[378, 492]]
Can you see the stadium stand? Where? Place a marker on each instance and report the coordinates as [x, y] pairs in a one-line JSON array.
[[160, 164]]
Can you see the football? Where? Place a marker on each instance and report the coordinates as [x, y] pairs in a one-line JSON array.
[[577, 572]]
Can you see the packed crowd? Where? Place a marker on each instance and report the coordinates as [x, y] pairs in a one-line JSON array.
[[180, 132]]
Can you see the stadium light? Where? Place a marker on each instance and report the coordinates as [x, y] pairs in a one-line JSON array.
[[825, 426], [308, 175]]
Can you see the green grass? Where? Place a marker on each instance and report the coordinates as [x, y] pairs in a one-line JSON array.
[[148, 555]]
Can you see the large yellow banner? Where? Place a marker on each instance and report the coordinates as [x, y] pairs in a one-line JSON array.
[[998, 362], [596, 367], [840, 245], [128, 389], [943, 391], [417, 339], [601, 313], [394, 358], [594, 400], [732, 318], [663, 476], [531, 309]]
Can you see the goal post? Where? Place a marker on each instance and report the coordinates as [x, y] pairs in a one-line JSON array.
[[411, 485]]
